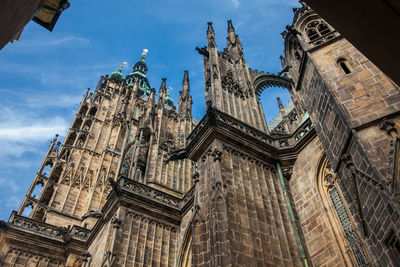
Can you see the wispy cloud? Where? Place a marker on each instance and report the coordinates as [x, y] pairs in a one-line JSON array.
[[53, 42], [235, 3], [21, 132]]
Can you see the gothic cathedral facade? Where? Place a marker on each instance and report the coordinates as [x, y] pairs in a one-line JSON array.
[[139, 182]]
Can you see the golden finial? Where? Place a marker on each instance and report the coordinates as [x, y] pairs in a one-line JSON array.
[[145, 52], [121, 66]]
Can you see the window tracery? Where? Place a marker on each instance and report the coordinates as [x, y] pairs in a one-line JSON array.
[[342, 216], [318, 31]]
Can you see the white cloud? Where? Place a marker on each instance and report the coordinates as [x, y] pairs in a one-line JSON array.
[[22, 132], [235, 3], [52, 42]]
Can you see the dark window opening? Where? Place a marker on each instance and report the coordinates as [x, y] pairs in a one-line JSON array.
[[71, 139], [344, 65], [92, 111], [393, 243], [77, 123], [83, 110]]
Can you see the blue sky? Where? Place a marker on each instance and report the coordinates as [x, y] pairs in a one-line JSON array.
[[44, 75]]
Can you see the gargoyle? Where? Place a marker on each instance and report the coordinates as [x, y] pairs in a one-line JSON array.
[[92, 214], [284, 70], [115, 186], [203, 51], [176, 155]]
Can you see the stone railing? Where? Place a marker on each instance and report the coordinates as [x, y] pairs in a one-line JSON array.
[[36, 226], [275, 141], [79, 232], [149, 193], [187, 197]]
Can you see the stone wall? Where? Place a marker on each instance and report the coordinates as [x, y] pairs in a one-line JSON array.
[[321, 241]]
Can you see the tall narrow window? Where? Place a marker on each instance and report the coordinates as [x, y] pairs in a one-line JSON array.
[[393, 243], [344, 65], [343, 219], [27, 210]]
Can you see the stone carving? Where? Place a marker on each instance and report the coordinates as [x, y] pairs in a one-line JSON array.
[[216, 154], [79, 232], [388, 126], [92, 214], [114, 186], [36, 226], [230, 84], [149, 192], [116, 222], [203, 51]]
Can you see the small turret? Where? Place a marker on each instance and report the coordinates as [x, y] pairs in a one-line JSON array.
[[118, 76], [169, 102], [161, 92], [139, 71], [185, 99]]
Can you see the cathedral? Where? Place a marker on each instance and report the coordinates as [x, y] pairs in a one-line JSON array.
[[138, 181]]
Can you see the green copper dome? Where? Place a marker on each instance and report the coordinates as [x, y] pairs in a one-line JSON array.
[[139, 72], [117, 76], [168, 100]]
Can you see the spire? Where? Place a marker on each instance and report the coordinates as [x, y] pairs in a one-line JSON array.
[[210, 29], [211, 36], [186, 84], [233, 39], [185, 99], [163, 87], [279, 103], [281, 107], [230, 26]]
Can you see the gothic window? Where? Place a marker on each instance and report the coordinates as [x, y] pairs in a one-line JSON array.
[[37, 190], [71, 139], [344, 65], [87, 125], [77, 123], [393, 244], [92, 111], [317, 29], [47, 169], [27, 210], [83, 110], [342, 220]]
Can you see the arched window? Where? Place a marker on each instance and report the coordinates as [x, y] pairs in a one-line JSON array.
[[340, 215], [77, 123], [37, 190], [27, 210], [344, 65], [71, 139], [83, 110], [316, 29], [92, 111], [47, 169], [87, 125]]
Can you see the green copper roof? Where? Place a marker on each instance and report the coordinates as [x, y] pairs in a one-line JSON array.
[[168, 100], [117, 76]]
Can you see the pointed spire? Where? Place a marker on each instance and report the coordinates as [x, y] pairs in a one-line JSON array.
[[163, 87], [280, 103], [230, 26], [210, 28], [186, 83]]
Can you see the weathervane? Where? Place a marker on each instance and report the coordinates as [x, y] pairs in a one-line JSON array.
[[145, 52]]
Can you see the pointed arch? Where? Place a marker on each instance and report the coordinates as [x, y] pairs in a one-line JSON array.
[[185, 255], [340, 217]]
